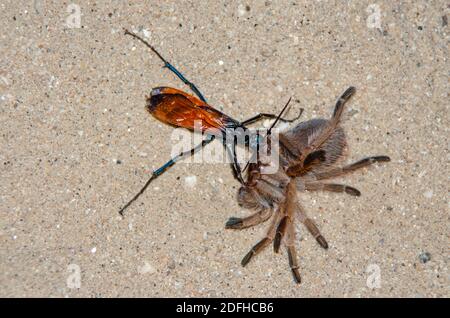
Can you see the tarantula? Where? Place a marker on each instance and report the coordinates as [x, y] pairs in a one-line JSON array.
[[308, 155]]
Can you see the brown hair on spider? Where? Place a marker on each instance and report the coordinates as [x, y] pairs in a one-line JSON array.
[[309, 154]]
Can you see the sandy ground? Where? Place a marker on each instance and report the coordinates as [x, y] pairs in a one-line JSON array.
[[77, 143]]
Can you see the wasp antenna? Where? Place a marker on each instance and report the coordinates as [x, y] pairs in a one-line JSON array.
[[279, 116], [134, 35], [273, 125]]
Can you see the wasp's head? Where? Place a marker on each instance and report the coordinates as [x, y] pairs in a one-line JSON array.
[[155, 98]]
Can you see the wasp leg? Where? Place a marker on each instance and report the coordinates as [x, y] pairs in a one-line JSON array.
[[169, 66], [166, 166], [262, 116], [235, 167]]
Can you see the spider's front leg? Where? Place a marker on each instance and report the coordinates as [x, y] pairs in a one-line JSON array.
[[249, 221]]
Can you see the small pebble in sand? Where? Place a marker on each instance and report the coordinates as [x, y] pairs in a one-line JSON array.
[[93, 250], [424, 257], [190, 181], [178, 285], [241, 10], [220, 62], [146, 33], [428, 194], [146, 269]]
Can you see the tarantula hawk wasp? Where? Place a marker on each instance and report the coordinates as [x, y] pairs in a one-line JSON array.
[[308, 156], [177, 108]]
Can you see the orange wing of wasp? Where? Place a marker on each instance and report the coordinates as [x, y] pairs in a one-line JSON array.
[[180, 109]]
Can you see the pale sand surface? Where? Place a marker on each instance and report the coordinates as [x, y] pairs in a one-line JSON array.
[[76, 143]]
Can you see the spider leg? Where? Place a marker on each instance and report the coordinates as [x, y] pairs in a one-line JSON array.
[[289, 209], [312, 228], [281, 231], [292, 253], [332, 187], [258, 247], [249, 221], [336, 172], [339, 107], [311, 152]]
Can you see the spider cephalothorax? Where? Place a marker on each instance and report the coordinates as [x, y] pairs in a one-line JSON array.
[[309, 153], [261, 190]]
